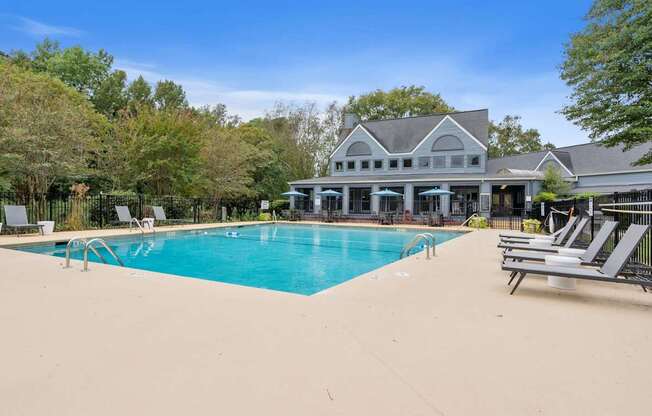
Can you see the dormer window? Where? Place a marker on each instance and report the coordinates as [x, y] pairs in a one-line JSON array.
[[474, 160], [407, 163], [439, 162], [424, 162], [339, 166], [393, 163], [350, 165], [364, 165], [378, 164]]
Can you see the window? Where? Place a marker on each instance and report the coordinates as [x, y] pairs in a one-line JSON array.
[[407, 163], [378, 164], [350, 165], [364, 165], [473, 160], [439, 162], [339, 166], [424, 162], [359, 200], [457, 161], [393, 163]]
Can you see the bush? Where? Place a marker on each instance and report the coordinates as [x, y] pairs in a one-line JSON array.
[[478, 222], [545, 197], [586, 195], [531, 226], [264, 216], [279, 204]]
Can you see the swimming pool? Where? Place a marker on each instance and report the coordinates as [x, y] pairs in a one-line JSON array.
[[303, 259]]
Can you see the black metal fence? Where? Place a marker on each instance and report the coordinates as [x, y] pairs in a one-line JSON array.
[[98, 211], [626, 208]]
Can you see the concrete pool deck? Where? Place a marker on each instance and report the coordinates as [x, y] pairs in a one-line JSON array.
[[417, 337]]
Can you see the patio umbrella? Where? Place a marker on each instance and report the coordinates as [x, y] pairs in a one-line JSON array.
[[386, 193], [293, 193], [330, 193], [435, 192]]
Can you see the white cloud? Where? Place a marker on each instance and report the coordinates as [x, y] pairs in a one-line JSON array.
[[40, 29]]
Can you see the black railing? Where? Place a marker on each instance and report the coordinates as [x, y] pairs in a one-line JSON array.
[[98, 211], [626, 208]]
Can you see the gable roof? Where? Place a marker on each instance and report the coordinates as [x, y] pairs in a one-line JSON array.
[[580, 159], [402, 135]]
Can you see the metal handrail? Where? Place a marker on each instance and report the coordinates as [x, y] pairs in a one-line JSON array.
[[89, 245], [469, 219], [432, 242], [85, 243], [409, 246], [140, 227]]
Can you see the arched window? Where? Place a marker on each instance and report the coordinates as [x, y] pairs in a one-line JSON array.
[[358, 149], [447, 142]]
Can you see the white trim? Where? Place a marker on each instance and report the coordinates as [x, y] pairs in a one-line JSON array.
[[408, 180], [349, 136], [466, 131], [558, 161]]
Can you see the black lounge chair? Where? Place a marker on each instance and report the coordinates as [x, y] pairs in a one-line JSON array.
[[555, 246], [609, 271], [16, 218], [588, 258]]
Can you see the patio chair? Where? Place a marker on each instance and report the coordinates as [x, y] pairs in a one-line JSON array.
[[16, 218], [531, 236], [124, 216], [523, 239], [588, 258], [609, 271], [159, 215], [525, 245]]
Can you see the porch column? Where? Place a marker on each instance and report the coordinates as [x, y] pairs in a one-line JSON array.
[[408, 199], [445, 201], [316, 208], [485, 188], [375, 200], [292, 188], [345, 200]]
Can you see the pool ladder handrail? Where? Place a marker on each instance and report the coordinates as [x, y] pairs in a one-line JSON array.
[[427, 237], [84, 243], [140, 226], [89, 245]]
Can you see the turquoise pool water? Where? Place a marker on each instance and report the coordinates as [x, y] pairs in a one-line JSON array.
[[302, 259]]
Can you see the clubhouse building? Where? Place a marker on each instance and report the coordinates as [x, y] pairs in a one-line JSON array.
[[449, 152]]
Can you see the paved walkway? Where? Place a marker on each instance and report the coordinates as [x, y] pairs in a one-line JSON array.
[[418, 337]]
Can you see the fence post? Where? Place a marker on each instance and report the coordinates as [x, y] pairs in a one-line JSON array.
[[140, 205]]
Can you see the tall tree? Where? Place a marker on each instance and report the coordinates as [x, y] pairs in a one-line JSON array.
[[47, 130], [139, 93], [509, 138], [169, 96], [396, 103], [111, 96], [609, 67]]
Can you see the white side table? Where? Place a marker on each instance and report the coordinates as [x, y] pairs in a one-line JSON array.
[[562, 282], [48, 227]]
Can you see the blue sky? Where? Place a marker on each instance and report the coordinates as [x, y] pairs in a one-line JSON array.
[[501, 55]]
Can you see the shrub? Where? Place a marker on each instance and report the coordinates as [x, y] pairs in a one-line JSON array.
[[264, 216], [586, 195], [478, 222], [279, 204], [531, 226], [545, 197]]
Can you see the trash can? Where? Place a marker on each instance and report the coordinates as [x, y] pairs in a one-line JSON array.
[[48, 227], [563, 261]]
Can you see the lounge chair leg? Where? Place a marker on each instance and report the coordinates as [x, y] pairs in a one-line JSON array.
[[518, 282], [512, 275]]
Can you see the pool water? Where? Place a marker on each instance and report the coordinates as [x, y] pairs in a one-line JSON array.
[[303, 259]]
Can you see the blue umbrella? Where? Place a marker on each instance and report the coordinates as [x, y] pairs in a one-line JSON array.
[[293, 193], [436, 192], [329, 192], [386, 193]]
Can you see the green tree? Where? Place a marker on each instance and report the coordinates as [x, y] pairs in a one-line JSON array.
[[47, 130], [111, 97], [397, 103], [169, 96], [509, 138], [609, 67], [139, 93], [553, 182], [162, 149]]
